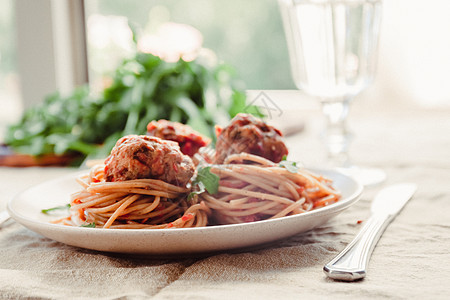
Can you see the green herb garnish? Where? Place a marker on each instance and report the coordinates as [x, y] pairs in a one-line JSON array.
[[201, 189], [291, 166], [206, 181], [90, 225], [46, 211]]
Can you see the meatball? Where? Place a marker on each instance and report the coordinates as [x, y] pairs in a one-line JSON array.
[[248, 134], [141, 156], [188, 139]]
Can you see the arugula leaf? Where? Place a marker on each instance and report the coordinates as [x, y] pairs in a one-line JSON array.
[[143, 88], [89, 225], [207, 180], [46, 211]]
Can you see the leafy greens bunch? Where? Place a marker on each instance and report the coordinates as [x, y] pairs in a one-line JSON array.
[[143, 88]]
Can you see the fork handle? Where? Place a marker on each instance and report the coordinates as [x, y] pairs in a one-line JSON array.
[[351, 263]]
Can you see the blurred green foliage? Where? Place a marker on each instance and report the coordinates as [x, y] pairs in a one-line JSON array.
[[246, 34], [144, 88]]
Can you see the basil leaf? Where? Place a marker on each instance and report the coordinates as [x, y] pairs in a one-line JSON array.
[[46, 211], [208, 180]]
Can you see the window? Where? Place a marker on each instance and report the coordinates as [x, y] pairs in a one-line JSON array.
[[248, 35], [9, 84]]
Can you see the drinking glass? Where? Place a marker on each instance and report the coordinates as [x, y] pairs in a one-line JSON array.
[[333, 53]]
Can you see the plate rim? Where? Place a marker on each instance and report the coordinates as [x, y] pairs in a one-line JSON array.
[[43, 228], [354, 197]]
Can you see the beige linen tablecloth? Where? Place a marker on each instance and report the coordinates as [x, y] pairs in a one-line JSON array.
[[411, 260]]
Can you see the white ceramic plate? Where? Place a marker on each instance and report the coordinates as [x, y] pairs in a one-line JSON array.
[[26, 208]]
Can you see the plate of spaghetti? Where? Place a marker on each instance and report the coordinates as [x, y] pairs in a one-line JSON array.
[[150, 197]]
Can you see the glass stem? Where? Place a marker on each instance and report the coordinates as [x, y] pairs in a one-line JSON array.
[[336, 136]]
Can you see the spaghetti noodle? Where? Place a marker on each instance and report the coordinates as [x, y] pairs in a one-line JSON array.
[[264, 190], [132, 204], [251, 188]]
